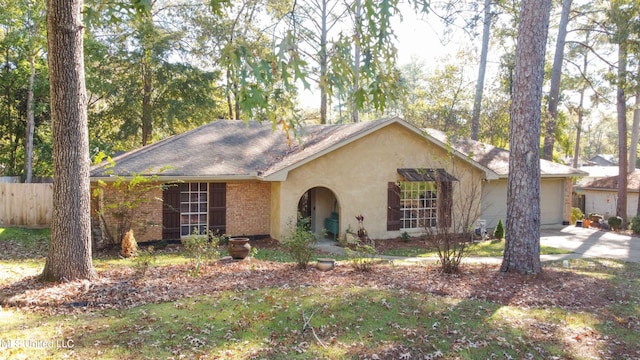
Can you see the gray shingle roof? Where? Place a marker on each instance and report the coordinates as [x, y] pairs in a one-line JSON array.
[[611, 182], [497, 159], [227, 149]]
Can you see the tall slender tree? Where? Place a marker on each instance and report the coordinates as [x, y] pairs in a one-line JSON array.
[[482, 67], [556, 75], [522, 248]]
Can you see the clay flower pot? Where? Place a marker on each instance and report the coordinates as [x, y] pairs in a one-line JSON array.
[[325, 264], [239, 248]]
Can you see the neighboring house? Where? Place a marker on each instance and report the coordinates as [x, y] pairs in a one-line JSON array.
[[604, 160], [246, 179], [556, 183], [601, 194]]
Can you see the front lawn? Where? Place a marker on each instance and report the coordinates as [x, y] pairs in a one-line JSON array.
[[267, 309]]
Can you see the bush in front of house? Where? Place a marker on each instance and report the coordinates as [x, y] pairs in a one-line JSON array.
[[615, 222], [299, 242], [498, 233], [200, 247], [635, 225], [576, 214]]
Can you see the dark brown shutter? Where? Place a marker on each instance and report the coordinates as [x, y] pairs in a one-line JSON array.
[[445, 204], [393, 207], [218, 207], [171, 212]]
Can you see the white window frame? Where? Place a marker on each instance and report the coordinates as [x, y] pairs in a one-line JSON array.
[[418, 205], [194, 205]]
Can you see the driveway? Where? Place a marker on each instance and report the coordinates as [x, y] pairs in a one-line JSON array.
[[591, 243]]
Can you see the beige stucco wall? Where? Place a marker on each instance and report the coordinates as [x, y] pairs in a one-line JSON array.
[[555, 201], [604, 202], [358, 174]]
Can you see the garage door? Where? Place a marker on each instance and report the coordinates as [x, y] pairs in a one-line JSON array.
[[551, 202]]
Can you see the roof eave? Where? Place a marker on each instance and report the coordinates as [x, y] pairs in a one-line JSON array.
[[176, 178]]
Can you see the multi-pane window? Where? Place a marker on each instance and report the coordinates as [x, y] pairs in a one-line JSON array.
[[193, 208], [418, 204]]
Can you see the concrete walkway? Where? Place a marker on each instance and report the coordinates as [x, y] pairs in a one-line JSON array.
[[584, 243]]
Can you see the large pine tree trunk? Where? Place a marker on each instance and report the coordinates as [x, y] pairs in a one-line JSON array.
[[556, 75], [477, 102], [522, 249], [621, 206], [69, 256]]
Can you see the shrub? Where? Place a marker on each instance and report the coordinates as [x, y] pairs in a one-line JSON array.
[[405, 237], [362, 257], [299, 242], [635, 225], [450, 248], [200, 247], [576, 214], [498, 233], [144, 260], [120, 205], [615, 222], [129, 245]]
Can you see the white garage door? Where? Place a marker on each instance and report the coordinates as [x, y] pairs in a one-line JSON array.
[[551, 201]]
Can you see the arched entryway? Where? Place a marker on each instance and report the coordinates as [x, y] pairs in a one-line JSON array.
[[320, 203]]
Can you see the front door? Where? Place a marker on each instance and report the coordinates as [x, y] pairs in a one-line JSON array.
[[307, 206]]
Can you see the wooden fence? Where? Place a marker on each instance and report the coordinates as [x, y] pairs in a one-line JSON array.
[[29, 205]]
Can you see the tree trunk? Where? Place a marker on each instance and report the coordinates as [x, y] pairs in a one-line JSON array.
[[635, 135], [576, 153], [28, 144], [621, 206], [585, 65], [522, 248], [556, 75], [356, 60], [477, 102], [324, 59], [229, 92], [69, 256], [147, 107]]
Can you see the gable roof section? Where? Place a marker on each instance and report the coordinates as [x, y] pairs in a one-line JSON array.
[[497, 159], [236, 150], [333, 137], [221, 149]]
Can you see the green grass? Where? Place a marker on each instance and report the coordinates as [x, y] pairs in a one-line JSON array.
[[493, 248], [24, 234]]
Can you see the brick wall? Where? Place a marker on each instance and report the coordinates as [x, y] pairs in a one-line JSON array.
[[147, 220], [248, 211], [248, 208]]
